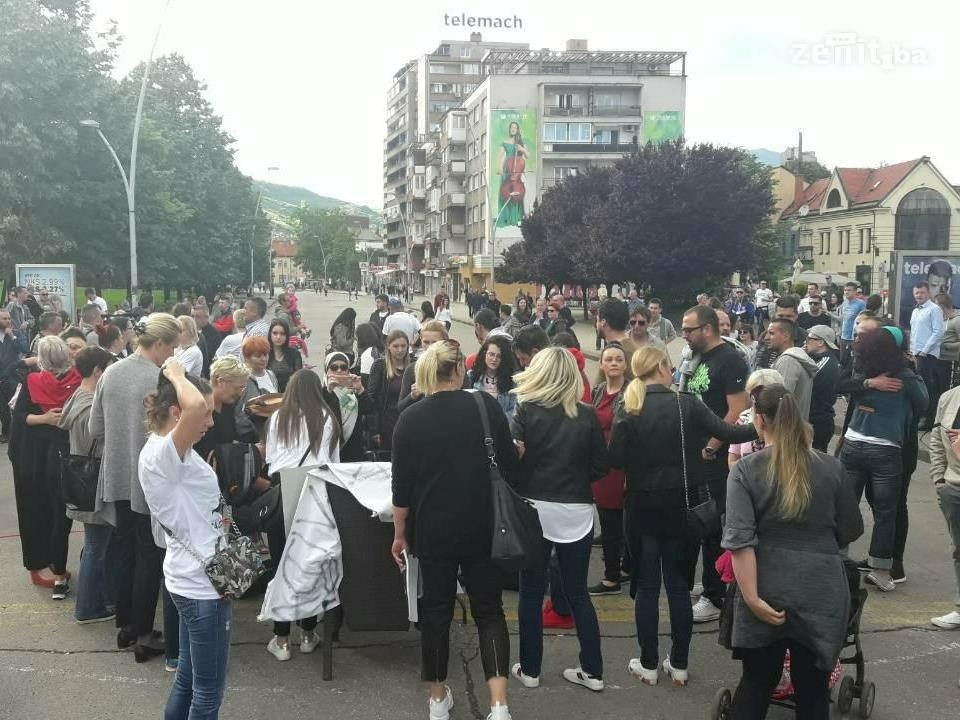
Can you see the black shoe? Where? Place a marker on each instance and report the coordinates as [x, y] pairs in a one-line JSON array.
[[897, 573], [597, 541], [603, 589], [864, 566], [4, 439], [142, 653], [60, 590], [126, 640]]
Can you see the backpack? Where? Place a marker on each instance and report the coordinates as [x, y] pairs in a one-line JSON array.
[[238, 465]]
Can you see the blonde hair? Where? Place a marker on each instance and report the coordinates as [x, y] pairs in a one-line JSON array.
[[434, 326], [645, 363], [763, 378], [54, 355], [388, 356], [438, 363], [228, 369], [239, 320], [189, 326], [552, 379], [158, 327], [789, 467]]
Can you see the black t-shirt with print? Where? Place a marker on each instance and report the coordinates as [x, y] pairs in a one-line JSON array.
[[721, 372]]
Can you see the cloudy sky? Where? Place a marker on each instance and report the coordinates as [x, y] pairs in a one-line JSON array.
[[301, 83]]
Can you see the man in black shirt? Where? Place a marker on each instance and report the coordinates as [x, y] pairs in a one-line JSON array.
[[378, 316], [815, 316], [719, 380], [821, 346]]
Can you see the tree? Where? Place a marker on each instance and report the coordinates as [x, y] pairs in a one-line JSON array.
[[326, 246], [811, 171]]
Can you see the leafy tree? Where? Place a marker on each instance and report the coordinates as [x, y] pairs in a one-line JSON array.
[[326, 246], [809, 171]]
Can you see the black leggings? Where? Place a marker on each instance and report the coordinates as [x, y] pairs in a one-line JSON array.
[[611, 532], [481, 579], [762, 668]]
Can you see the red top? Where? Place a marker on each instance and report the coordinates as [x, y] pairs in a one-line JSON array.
[[608, 490], [51, 392]]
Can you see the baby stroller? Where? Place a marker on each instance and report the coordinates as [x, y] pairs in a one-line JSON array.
[[849, 688]]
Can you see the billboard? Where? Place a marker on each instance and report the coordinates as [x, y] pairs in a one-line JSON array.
[[55, 279], [513, 163], [661, 125], [941, 270]]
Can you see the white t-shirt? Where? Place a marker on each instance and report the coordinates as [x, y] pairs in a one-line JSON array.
[[100, 303], [230, 346], [366, 361], [444, 315], [402, 321], [191, 358], [763, 297], [266, 382], [564, 522], [281, 457], [184, 497]]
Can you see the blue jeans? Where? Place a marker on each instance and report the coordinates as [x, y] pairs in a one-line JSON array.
[[202, 668], [948, 497], [573, 560], [95, 582], [880, 467], [171, 625], [557, 598], [664, 557]]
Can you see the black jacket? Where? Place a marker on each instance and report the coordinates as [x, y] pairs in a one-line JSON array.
[[824, 393], [648, 447], [562, 455]]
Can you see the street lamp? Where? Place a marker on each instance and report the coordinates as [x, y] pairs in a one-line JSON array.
[[129, 184], [493, 239], [406, 235]]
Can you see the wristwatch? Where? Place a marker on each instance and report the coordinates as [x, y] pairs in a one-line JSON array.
[[866, 384], [710, 451]]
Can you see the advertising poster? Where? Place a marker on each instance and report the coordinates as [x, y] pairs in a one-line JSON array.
[[513, 163], [662, 125], [55, 279], [939, 270]]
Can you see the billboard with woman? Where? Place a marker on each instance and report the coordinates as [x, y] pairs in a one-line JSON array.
[[513, 164]]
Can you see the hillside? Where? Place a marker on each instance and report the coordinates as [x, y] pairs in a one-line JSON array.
[[281, 200]]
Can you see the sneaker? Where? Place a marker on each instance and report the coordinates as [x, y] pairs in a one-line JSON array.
[[705, 611], [553, 619], [171, 665], [309, 641], [109, 615], [526, 680], [950, 621], [881, 579], [60, 590], [603, 589], [679, 677], [697, 590], [647, 677], [897, 574], [280, 652], [578, 677], [499, 712], [440, 709]]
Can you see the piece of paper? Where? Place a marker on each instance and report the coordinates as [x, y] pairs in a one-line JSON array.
[[413, 586]]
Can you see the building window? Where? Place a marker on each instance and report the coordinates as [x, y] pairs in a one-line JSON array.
[[459, 122], [468, 88], [561, 172], [860, 233], [833, 199], [445, 69], [923, 221], [483, 211], [602, 137], [443, 50], [555, 132], [869, 232], [464, 52], [580, 132], [471, 68]]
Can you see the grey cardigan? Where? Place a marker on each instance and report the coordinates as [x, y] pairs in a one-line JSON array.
[[799, 567], [75, 420], [117, 420]]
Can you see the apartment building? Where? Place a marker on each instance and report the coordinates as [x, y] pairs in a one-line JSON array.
[[422, 92]]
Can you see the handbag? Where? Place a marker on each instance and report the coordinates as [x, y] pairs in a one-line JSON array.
[[703, 520], [517, 535], [235, 565], [78, 480]]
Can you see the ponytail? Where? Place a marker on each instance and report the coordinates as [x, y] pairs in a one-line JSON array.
[[789, 468], [644, 363]]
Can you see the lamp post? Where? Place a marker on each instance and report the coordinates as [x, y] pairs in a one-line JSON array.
[[130, 183], [493, 240]]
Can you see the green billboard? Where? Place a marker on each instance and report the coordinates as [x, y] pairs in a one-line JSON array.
[[661, 125], [513, 164]]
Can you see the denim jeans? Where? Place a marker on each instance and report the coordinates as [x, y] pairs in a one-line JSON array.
[[559, 601], [949, 498], [664, 557], [881, 468], [171, 625], [573, 560], [95, 581], [202, 668]]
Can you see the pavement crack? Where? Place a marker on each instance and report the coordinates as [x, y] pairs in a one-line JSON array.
[[468, 653]]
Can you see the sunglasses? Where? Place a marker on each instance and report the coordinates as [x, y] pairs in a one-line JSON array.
[[688, 330], [638, 323], [338, 367]]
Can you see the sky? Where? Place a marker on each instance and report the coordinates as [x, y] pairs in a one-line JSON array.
[[301, 84]]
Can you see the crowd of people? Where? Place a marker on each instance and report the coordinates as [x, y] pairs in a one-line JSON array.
[[155, 395]]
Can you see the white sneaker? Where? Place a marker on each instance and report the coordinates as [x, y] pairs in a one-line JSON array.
[[697, 590], [499, 712], [880, 578], [679, 677], [578, 677], [309, 641], [280, 652], [528, 681], [647, 677], [440, 709], [705, 611], [950, 621]]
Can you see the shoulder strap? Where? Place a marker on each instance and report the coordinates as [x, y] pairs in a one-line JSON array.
[[304, 458], [485, 420]]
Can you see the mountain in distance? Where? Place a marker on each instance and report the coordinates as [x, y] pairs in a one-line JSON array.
[[768, 157], [279, 201]]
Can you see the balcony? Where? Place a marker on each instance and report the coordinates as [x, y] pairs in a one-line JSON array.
[[589, 148], [456, 198], [452, 232], [631, 111], [457, 167], [557, 111]]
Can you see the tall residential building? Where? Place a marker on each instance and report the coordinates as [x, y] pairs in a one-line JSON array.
[[534, 119], [423, 91]]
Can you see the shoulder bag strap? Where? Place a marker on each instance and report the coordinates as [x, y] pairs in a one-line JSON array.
[[487, 436], [683, 450], [304, 458]]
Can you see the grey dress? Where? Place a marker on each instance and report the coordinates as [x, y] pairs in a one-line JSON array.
[[799, 567]]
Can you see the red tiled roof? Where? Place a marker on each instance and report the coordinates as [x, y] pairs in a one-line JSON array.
[[812, 197], [283, 249], [866, 185]]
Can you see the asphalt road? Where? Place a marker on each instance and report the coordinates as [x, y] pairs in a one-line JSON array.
[[52, 668]]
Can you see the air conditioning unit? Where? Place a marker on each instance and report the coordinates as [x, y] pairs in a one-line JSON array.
[[629, 128]]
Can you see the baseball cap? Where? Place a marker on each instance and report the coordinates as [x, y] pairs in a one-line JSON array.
[[395, 302], [825, 333]]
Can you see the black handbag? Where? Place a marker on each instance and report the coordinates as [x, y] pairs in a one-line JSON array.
[[78, 480], [703, 520], [517, 535]]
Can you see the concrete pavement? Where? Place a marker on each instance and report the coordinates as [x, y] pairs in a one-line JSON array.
[[52, 668]]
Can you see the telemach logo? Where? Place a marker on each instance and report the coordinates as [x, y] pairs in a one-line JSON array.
[[474, 21]]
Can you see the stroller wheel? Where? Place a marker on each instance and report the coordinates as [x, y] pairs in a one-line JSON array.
[[867, 696], [845, 695], [721, 705]]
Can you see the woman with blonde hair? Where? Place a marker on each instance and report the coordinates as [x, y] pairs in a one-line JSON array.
[[789, 511], [188, 353], [116, 421], [758, 380], [657, 443], [442, 515], [561, 453], [386, 381], [228, 379]]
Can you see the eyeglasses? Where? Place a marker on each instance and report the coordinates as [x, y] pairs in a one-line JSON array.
[[638, 323], [493, 356], [689, 330], [338, 367]]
